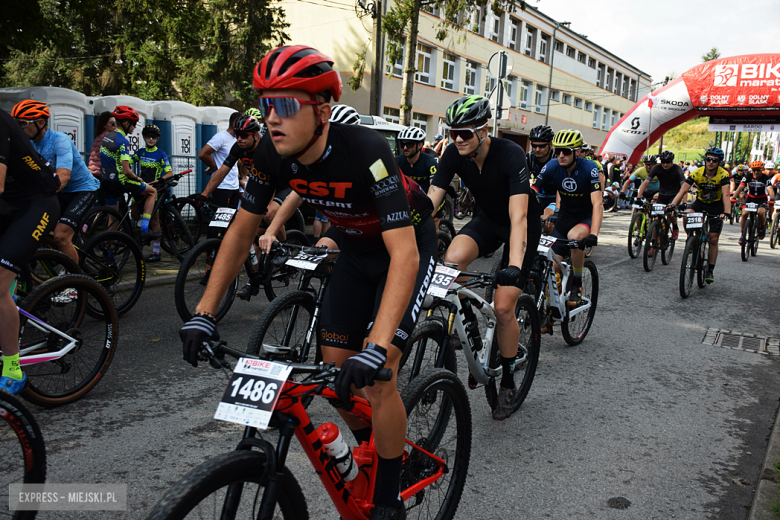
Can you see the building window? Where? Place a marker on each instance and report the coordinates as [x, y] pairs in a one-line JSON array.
[[423, 74], [448, 71], [514, 29], [392, 114], [539, 100], [614, 119], [570, 52], [624, 90], [598, 77], [543, 48], [420, 121], [555, 95], [476, 18], [566, 99], [581, 57], [592, 63], [470, 86], [492, 27], [596, 117], [529, 41], [605, 119], [509, 90], [397, 68], [588, 106], [559, 45], [525, 93], [616, 86], [490, 84]]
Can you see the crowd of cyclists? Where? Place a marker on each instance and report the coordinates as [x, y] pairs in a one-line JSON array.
[[380, 210]]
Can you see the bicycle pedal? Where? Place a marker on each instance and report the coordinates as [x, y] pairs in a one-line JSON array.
[[472, 382]]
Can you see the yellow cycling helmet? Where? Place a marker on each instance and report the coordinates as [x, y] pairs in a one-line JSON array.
[[568, 139]]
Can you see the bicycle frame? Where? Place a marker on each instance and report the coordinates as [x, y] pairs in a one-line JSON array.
[[25, 359], [558, 301]]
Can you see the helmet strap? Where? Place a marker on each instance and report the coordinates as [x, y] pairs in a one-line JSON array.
[[37, 130], [473, 155], [317, 132]]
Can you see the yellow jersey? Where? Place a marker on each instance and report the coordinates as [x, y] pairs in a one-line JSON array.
[[709, 189]]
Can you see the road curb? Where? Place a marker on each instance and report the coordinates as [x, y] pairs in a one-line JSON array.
[[766, 490]]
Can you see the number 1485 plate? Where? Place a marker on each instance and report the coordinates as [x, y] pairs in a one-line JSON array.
[[252, 392]]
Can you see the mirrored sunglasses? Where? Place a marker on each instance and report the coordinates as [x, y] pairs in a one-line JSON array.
[[283, 106], [565, 151]]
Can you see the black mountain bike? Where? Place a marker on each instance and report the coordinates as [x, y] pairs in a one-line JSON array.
[[695, 258], [659, 238], [750, 233]]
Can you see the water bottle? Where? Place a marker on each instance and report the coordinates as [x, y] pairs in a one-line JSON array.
[[252, 255], [335, 446]]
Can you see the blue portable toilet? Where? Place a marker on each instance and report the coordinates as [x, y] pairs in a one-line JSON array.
[[69, 110], [213, 120]]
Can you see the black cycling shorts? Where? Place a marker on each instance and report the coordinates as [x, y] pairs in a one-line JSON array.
[[564, 225], [226, 198], [490, 236], [716, 224], [356, 287], [665, 199], [23, 223], [74, 206]]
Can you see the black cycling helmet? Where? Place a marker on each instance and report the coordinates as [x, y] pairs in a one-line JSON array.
[[151, 131], [542, 133], [667, 155], [647, 158], [246, 124], [712, 150], [469, 111]]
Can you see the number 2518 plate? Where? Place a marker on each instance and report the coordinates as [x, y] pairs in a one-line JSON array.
[[252, 392]]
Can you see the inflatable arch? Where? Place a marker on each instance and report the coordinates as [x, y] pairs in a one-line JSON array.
[[746, 85]]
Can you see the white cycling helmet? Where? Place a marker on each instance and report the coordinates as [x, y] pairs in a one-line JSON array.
[[769, 165], [344, 114], [411, 133]]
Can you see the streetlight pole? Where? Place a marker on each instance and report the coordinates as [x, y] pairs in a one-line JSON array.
[[552, 60], [375, 95]]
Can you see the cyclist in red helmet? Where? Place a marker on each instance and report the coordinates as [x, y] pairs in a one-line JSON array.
[[348, 173], [116, 176]]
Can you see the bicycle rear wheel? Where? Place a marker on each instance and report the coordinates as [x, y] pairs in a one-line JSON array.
[[703, 262], [575, 329], [63, 303], [651, 246], [754, 239], [98, 220], [176, 238], [283, 278], [193, 276], [635, 235], [114, 260], [687, 267], [23, 449], [446, 225], [524, 367], [44, 265], [203, 492], [774, 231], [445, 435]]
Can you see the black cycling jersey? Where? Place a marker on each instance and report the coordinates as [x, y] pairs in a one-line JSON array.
[[671, 180], [27, 172], [756, 185], [575, 189], [356, 184], [737, 177], [422, 171], [504, 174], [548, 191]]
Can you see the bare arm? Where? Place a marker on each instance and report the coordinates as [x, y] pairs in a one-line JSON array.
[[232, 253], [598, 212], [436, 195], [402, 246], [518, 241], [3, 169], [64, 175], [290, 204], [128, 172], [725, 190], [739, 190], [216, 179], [205, 156]]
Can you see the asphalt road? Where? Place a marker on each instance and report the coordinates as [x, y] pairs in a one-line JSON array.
[[640, 410]]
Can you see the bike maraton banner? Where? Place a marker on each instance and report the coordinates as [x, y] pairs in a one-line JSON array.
[[739, 85]]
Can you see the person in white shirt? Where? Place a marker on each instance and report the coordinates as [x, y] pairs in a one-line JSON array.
[[213, 154]]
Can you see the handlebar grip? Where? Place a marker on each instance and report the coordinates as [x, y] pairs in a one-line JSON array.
[[384, 374], [185, 171]]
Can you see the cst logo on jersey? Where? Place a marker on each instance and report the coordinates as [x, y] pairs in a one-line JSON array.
[[336, 190]]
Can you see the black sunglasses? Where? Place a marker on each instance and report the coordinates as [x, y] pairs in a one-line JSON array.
[[667, 162], [712, 159], [408, 144], [540, 146], [565, 151]]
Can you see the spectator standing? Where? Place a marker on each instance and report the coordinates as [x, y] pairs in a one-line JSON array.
[[105, 123], [213, 154]]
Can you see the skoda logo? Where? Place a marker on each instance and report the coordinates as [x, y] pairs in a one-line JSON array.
[[570, 185]]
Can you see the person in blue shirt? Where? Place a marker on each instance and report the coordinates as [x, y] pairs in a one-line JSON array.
[[78, 187], [153, 165]]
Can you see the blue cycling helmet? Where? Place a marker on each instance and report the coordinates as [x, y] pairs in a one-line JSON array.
[[715, 151], [438, 137]]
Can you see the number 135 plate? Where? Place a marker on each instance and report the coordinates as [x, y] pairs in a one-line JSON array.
[[252, 392], [442, 279]]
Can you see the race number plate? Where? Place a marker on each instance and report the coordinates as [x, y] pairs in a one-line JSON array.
[[222, 217], [636, 206], [751, 207], [441, 281], [545, 243], [658, 209], [694, 220], [306, 261], [252, 392]]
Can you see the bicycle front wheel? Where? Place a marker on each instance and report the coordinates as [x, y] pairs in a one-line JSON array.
[[703, 262], [193, 276], [635, 235], [651, 246], [64, 303], [444, 242], [667, 247], [280, 279], [286, 322], [422, 351], [230, 486], [754, 239], [774, 231], [192, 216], [24, 453], [114, 260], [176, 237], [447, 436], [575, 329], [687, 267], [524, 367]]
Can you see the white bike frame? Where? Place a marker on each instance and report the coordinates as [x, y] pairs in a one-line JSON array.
[[25, 359]]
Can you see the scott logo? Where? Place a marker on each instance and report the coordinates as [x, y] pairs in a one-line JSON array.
[[635, 123], [726, 75]]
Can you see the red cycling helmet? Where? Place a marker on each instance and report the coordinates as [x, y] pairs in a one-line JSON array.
[[125, 113], [297, 67]]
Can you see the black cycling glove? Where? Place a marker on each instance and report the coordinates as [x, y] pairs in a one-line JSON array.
[[194, 333], [199, 199], [360, 370], [512, 276], [591, 241], [622, 195]]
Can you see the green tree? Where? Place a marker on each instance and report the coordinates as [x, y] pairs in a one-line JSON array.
[[712, 54]]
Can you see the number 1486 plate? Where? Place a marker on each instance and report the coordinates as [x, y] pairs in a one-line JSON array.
[[252, 392]]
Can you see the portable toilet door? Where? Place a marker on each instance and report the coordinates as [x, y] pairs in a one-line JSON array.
[[68, 110], [109, 103], [179, 122], [217, 116]]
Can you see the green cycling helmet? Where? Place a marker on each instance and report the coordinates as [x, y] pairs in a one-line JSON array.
[[254, 112], [469, 111]]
